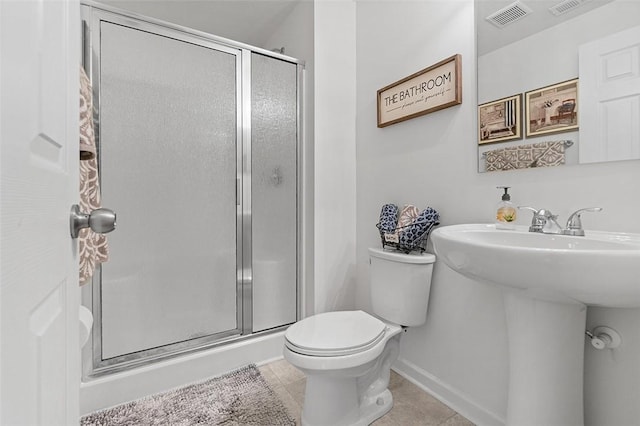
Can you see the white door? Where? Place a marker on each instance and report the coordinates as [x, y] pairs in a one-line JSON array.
[[609, 105], [39, 352]]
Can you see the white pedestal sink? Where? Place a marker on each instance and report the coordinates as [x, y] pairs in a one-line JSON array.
[[547, 280]]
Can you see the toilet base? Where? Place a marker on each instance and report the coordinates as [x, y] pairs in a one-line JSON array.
[[353, 397], [376, 409], [369, 412]]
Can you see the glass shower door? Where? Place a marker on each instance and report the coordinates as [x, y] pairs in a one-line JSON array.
[[274, 189], [170, 161]]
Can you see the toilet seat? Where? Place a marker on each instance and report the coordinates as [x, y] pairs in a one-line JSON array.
[[333, 334]]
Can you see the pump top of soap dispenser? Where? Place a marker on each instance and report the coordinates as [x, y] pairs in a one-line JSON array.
[[505, 196]]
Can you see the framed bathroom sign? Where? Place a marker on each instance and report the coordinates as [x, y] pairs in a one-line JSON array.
[[552, 109], [431, 89]]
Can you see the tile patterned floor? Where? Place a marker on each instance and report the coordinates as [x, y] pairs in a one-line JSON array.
[[411, 405]]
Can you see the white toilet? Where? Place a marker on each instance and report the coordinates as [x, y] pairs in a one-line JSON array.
[[347, 355]]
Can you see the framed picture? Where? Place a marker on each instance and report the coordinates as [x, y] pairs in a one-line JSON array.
[[500, 121], [552, 109], [431, 89]]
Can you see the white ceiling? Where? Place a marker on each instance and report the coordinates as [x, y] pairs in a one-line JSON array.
[[254, 21], [491, 37], [247, 21]]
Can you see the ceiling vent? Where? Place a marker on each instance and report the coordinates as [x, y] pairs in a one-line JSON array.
[[565, 6], [509, 14]]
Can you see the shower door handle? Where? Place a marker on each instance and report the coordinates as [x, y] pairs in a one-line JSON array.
[[101, 221], [238, 191]]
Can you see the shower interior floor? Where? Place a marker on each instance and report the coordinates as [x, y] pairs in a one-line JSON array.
[[411, 405]]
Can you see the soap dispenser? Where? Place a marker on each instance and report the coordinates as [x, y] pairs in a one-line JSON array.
[[505, 212]]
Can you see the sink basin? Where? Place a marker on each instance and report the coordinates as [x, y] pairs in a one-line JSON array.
[[547, 281], [601, 268]]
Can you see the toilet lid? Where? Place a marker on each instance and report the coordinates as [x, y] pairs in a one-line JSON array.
[[335, 333]]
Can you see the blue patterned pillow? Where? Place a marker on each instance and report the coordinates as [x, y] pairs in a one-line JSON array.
[[388, 218], [410, 235]]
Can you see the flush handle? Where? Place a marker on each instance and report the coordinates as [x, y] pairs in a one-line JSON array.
[[101, 221]]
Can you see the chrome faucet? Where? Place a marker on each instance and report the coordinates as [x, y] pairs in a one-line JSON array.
[[574, 223], [545, 222], [537, 222]]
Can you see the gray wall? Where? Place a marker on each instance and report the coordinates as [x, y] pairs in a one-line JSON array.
[[334, 155], [461, 352]]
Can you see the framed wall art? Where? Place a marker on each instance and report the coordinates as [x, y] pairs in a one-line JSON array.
[[552, 109], [431, 89], [500, 121]]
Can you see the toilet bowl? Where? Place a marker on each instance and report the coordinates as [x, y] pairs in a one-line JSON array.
[[343, 354], [347, 355]]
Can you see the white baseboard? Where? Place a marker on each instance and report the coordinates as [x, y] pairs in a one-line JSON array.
[[447, 394]]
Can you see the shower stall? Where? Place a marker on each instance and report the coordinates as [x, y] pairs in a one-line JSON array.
[[199, 147]]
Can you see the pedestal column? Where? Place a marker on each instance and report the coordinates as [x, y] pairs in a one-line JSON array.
[[546, 356]]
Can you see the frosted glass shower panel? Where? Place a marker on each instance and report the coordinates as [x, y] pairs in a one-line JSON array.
[[273, 189], [168, 154]]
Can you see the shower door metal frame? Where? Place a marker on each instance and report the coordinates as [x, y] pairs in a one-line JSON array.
[[247, 269], [92, 15]]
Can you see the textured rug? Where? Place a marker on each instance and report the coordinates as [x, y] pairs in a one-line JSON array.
[[241, 397]]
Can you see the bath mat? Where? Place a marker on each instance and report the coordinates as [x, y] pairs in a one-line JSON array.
[[241, 397]]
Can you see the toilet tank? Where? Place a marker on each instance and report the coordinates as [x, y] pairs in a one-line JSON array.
[[400, 285]]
